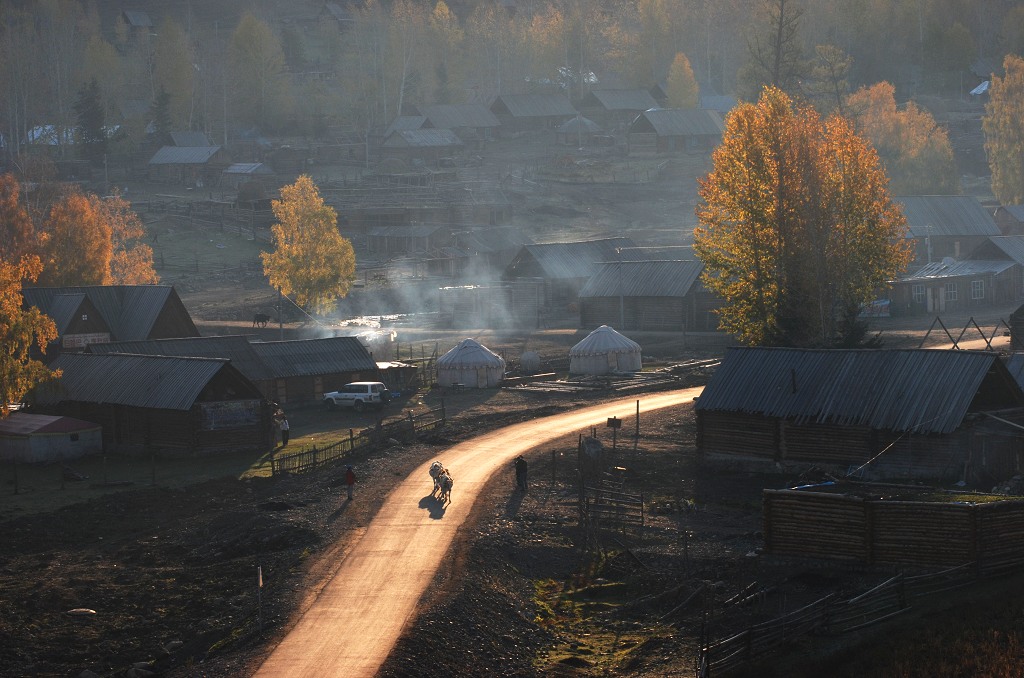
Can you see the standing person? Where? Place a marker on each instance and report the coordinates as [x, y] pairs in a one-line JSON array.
[[350, 480], [521, 473], [285, 429]]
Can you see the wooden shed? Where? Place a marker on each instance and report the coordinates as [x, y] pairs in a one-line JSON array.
[[41, 438], [531, 112], [667, 130], [1010, 219], [938, 414], [473, 123], [615, 107], [421, 147], [197, 166], [160, 404], [648, 295]]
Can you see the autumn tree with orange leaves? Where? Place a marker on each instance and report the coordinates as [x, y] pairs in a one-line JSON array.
[[797, 229], [20, 330], [311, 260], [1004, 132]]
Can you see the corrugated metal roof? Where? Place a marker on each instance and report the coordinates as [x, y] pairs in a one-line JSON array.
[[643, 279], [247, 168], [946, 215], [129, 310], [454, 116], [1011, 245], [492, 239], [158, 382], [719, 103], [1016, 211], [310, 357], [915, 390], [572, 259], [189, 138], [533, 105], [63, 308], [1015, 366], [422, 138], [658, 253], [184, 155], [235, 348], [24, 424], [405, 122], [956, 269], [621, 99], [417, 230], [682, 122]]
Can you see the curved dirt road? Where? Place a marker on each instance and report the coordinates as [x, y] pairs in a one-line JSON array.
[[362, 611]]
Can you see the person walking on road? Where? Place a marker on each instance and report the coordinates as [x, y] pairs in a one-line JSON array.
[[521, 473], [350, 480], [285, 430]]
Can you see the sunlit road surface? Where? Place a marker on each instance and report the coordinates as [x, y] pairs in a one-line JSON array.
[[360, 614]]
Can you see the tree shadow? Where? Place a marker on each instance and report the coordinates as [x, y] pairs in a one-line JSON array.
[[432, 504]]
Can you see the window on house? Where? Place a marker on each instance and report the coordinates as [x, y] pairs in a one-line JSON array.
[[951, 291], [977, 289], [918, 293]]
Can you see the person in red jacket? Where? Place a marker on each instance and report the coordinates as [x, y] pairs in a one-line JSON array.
[[350, 480]]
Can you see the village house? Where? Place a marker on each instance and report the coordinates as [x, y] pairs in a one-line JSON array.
[[615, 108], [659, 296], [473, 123], [160, 405], [951, 286], [563, 268], [941, 226], [668, 130], [286, 372], [531, 112], [41, 438], [102, 313], [408, 239], [197, 166], [943, 415], [421, 147], [1010, 219]]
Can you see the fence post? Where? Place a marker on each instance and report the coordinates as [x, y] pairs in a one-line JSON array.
[[412, 423], [314, 456], [351, 440]]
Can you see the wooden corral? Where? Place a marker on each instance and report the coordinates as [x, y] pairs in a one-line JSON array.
[[894, 525], [512, 304]]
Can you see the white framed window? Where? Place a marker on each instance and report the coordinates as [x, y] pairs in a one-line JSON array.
[[977, 289], [917, 291], [951, 292]]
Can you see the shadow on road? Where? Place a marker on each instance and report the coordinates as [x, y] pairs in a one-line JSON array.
[[514, 501], [345, 503], [432, 504]]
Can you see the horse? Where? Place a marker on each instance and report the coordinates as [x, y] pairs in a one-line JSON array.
[[436, 469], [260, 320], [445, 481]]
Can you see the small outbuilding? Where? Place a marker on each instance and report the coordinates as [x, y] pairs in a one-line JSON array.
[[472, 365], [32, 438], [578, 131], [604, 351]]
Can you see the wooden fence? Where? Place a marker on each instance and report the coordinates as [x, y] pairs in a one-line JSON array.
[[613, 510], [402, 428], [829, 616]]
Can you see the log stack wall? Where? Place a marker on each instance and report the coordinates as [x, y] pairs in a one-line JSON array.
[[799, 523], [736, 435]]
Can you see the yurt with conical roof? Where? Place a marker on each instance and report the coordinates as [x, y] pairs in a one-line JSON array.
[[472, 365], [604, 351]]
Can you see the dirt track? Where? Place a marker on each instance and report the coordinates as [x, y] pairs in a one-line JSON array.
[[360, 614]]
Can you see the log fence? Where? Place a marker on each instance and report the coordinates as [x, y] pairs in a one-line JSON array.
[[310, 458], [829, 616]]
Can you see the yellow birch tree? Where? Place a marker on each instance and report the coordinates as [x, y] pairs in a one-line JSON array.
[[683, 91], [311, 261], [1004, 132]]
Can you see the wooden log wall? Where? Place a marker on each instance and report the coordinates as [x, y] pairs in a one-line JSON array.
[[800, 523], [823, 444], [815, 524], [736, 435]]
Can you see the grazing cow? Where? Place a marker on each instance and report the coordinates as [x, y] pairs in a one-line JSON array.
[[260, 320], [436, 469], [445, 480]]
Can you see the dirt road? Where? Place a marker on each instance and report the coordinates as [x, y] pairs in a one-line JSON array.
[[361, 612]]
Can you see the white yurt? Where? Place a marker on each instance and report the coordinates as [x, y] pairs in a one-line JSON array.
[[472, 365], [603, 351]]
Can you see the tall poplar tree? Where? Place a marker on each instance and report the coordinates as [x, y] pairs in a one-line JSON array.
[[20, 330], [797, 228]]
